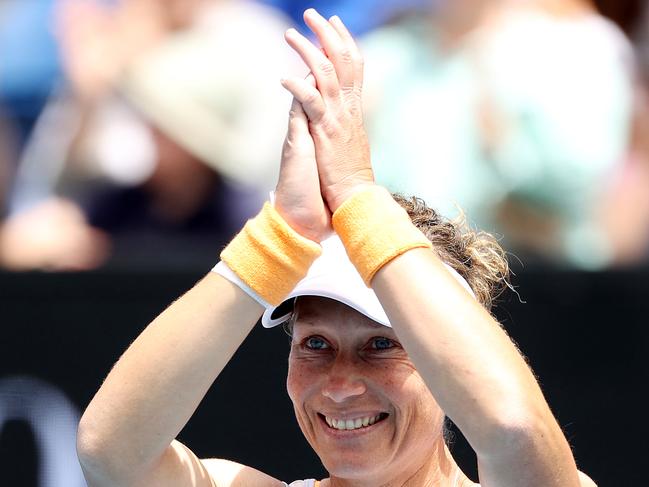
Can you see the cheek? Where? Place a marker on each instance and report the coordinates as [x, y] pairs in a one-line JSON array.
[[301, 385], [300, 382], [427, 417], [293, 383], [393, 376], [415, 401], [398, 378]]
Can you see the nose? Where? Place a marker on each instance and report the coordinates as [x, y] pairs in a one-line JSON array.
[[343, 381]]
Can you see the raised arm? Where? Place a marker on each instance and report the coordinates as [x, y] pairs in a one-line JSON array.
[[468, 362], [126, 436], [476, 374]]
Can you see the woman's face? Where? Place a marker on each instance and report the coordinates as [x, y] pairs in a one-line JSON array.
[[358, 398]]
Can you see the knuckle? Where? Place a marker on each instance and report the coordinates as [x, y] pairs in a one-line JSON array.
[[292, 148], [328, 128], [327, 68], [288, 146], [353, 92], [312, 99], [346, 56], [353, 100]]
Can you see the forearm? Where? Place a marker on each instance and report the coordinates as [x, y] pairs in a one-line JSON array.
[[159, 381], [472, 368]]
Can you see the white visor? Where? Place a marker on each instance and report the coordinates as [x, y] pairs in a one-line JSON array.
[[332, 275]]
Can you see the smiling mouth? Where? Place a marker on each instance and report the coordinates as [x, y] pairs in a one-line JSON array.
[[352, 424]]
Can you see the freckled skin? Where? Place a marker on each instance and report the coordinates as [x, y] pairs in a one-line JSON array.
[[338, 366]]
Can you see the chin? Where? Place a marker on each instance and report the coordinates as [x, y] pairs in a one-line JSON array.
[[353, 466]]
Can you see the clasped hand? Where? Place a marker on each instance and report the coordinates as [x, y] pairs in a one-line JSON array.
[[325, 158]]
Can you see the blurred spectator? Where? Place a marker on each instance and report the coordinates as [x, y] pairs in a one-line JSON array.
[[5, 163], [625, 210], [29, 61], [172, 131], [518, 112], [214, 90], [625, 207], [624, 13]]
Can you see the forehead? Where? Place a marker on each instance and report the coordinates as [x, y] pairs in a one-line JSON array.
[[315, 310]]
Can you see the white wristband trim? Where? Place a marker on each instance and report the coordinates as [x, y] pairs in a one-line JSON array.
[[223, 270]]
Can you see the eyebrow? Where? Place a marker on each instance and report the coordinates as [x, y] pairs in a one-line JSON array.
[[303, 321], [375, 329]]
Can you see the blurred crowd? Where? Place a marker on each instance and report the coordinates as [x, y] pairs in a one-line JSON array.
[[147, 131]]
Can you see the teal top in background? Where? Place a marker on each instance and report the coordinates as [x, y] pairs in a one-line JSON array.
[[537, 110]]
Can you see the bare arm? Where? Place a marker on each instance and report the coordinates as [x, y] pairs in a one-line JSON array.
[[125, 434], [475, 373]]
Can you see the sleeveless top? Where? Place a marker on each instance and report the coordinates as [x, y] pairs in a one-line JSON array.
[[316, 483], [303, 483]]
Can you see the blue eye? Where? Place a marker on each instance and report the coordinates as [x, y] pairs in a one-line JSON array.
[[316, 343], [382, 343]]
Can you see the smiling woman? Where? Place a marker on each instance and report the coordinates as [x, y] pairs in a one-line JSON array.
[[389, 311], [362, 407], [357, 395]]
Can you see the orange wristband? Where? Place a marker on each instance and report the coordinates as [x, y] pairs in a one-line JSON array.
[[269, 256], [375, 229]]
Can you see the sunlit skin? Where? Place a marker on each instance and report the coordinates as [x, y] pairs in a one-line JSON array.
[[344, 365]]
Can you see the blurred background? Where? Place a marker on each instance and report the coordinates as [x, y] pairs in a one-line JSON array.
[[136, 137], [144, 132]]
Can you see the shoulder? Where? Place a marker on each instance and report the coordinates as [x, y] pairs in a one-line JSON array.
[[584, 481], [226, 473]]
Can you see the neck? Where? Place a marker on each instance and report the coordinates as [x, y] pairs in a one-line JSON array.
[[437, 470]]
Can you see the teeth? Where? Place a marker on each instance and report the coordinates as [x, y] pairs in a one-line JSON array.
[[351, 424]]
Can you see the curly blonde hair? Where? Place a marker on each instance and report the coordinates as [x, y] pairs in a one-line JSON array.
[[475, 255]]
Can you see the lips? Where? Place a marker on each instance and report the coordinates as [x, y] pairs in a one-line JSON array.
[[352, 423]]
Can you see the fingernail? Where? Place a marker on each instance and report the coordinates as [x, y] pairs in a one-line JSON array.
[[334, 18], [312, 11]]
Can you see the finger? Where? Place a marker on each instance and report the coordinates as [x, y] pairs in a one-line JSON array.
[[298, 122], [335, 49], [308, 95], [294, 147], [322, 68], [350, 43]]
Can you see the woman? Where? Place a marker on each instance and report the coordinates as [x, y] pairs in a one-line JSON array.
[[369, 398]]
